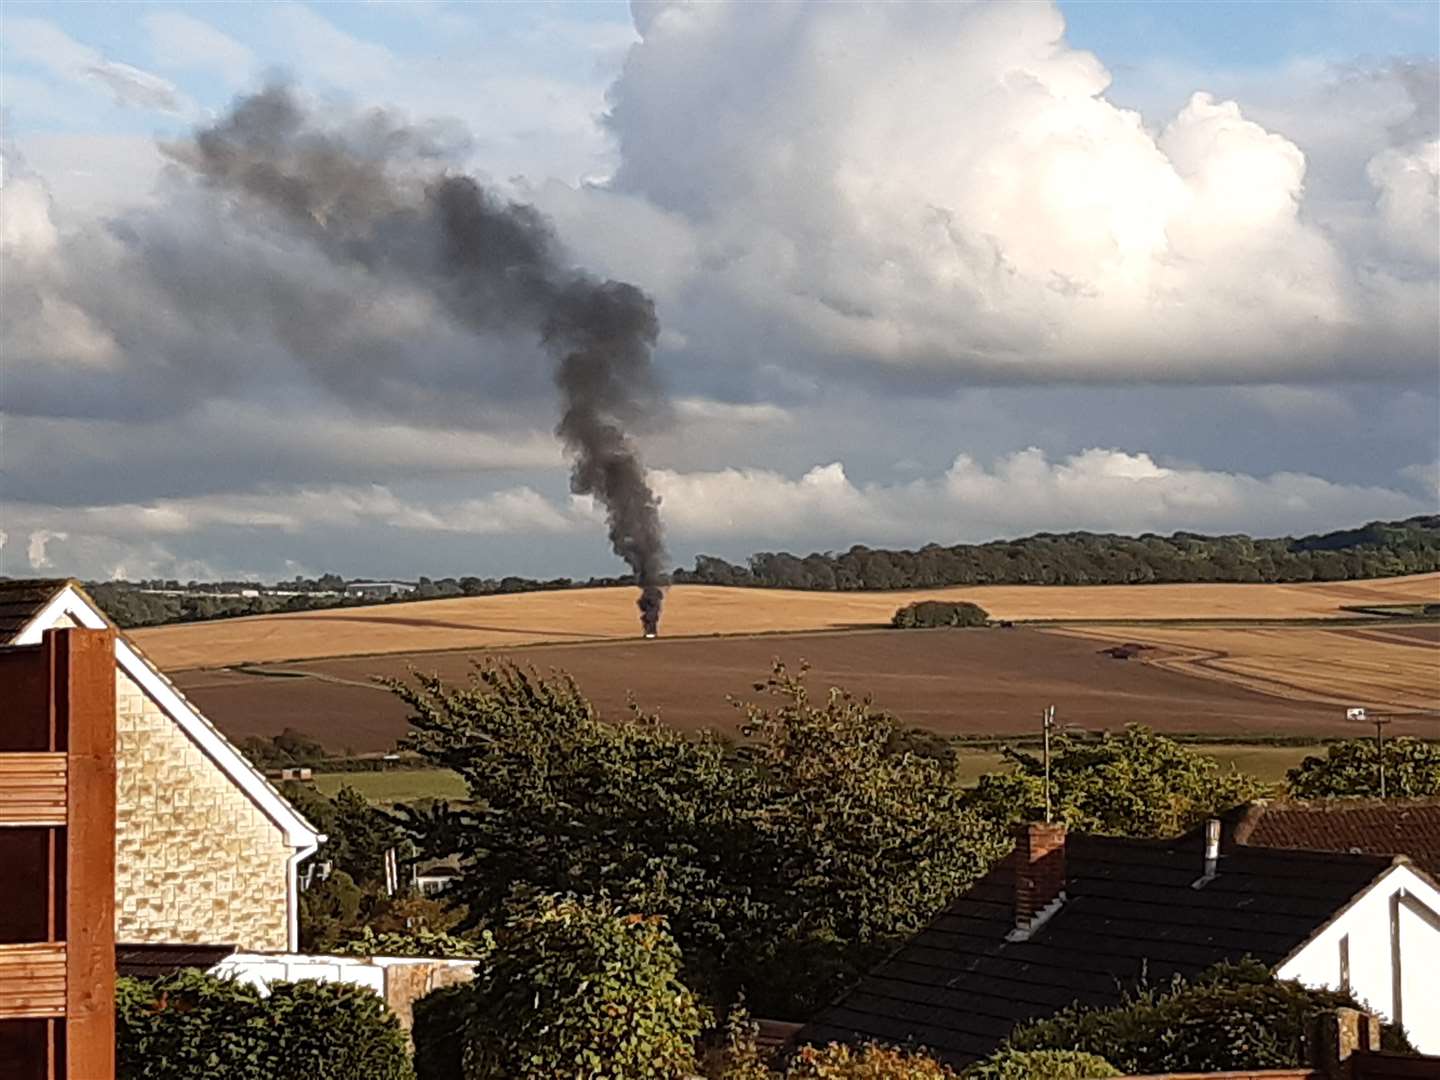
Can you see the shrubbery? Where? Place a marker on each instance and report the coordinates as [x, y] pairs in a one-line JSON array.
[[931, 613], [1136, 783], [1041, 1065], [1234, 1016], [840, 1062], [1351, 768], [191, 1025], [571, 990]]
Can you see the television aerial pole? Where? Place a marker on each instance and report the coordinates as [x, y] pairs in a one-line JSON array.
[[1379, 722], [1047, 723]]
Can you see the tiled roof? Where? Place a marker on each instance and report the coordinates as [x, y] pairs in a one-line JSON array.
[[21, 599], [1409, 827], [959, 987], [152, 961]]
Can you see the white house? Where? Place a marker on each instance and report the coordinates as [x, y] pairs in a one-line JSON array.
[[1069, 919], [206, 851]]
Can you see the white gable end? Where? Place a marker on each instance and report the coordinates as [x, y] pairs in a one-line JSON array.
[[70, 608], [1385, 949]]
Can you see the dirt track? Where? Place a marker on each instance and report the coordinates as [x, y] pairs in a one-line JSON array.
[[953, 681]]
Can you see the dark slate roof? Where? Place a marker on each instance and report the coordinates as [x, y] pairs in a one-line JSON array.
[[152, 961], [1409, 827], [21, 599], [958, 987]]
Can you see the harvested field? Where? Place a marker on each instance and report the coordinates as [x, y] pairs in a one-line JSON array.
[[698, 610], [949, 681], [1393, 669]]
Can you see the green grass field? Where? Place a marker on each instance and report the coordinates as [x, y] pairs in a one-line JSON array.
[[1268, 763], [395, 785]]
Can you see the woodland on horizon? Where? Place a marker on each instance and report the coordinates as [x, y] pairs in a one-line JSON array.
[[1375, 550]]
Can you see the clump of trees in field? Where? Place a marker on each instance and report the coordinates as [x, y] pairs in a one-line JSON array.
[[1352, 769], [1380, 549], [925, 614]]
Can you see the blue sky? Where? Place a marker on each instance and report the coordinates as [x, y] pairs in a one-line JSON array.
[[920, 274]]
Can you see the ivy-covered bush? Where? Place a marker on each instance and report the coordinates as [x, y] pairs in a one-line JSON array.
[[191, 1025], [429, 943], [1234, 1016], [840, 1062], [570, 989], [1041, 1065], [929, 613]]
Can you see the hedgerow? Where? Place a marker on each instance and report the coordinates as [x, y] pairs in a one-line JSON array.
[[190, 1025]]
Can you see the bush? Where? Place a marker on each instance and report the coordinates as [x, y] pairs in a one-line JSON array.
[[422, 942], [1234, 1016], [571, 988], [1041, 1065], [840, 1062], [930, 613], [190, 1024], [1136, 783], [1350, 768]]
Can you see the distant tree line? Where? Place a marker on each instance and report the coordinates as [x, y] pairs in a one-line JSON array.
[[1380, 549], [132, 604]]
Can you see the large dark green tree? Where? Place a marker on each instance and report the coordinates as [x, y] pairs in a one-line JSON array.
[[783, 864], [1135, 783]]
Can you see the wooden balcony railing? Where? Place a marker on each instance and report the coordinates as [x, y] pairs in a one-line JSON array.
[[32, 789], [32, 980]]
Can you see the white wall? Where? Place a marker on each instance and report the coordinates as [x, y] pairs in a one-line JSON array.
[[1391, 936], [261, 969]]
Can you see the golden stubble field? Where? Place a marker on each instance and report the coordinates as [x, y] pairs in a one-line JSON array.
[[1388, 669], [580, 615]]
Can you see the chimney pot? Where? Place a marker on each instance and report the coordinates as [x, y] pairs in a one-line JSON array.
[[1212, 854], [1039, 872]]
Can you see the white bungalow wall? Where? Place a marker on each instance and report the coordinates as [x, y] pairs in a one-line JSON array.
[[1385, 949]]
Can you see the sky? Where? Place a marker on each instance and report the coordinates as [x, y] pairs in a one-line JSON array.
[[924, 272]]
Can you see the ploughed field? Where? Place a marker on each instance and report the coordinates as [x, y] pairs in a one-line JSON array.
[[695, 610], [982, 681]]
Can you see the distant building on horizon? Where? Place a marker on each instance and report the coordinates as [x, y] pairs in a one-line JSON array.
[[379, 588]]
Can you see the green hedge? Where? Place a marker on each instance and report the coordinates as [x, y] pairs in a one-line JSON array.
[[191, 1025], [1232, 1017]]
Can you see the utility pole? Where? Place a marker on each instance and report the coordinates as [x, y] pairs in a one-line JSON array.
[[1047, 722], [1379, 722]]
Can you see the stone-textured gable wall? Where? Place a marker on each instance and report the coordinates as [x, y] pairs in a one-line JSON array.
[[195, 859]]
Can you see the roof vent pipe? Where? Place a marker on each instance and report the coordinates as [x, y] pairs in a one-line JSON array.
[[1212, 854]]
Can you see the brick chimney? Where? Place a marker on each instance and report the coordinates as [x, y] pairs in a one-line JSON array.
[[1039, 875]]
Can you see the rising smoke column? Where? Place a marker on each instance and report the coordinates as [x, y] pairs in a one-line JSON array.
[[361, 193]]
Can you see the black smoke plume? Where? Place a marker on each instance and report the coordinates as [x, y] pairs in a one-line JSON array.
[[367, 192]]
